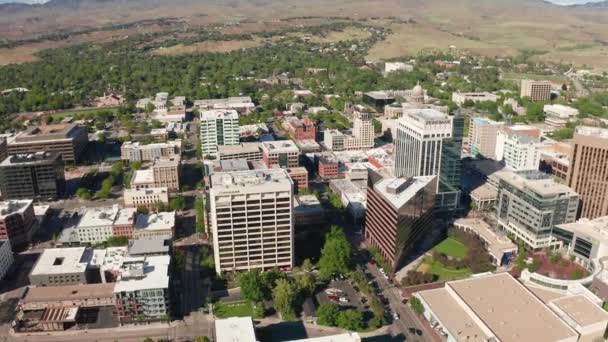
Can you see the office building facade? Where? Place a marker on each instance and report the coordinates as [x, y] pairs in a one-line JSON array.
[[284, 154], [17, 221], [218, 127], [482, 136], [69, 141], [251, 219], [38, 176], [519, 152], [536, 90]]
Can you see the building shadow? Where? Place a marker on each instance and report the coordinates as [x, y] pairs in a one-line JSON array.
[[284, 331]]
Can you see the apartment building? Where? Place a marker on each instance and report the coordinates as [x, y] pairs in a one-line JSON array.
[[96, 225], [531, 203], [148, 198], [218, 127], [6, 257], [300, 129], [137, 152], [251, 220], [250, 151], [69, 140], [38, 176], [142, 290], [482, 136], [166, 173], [399, 214], [284, 154], [518, 151], [17, 221], [241, 104], [61, 266], [587, 172], [419, 142], [536, 90], [461, 98]]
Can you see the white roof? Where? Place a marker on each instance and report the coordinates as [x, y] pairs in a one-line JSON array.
[[234, 329], [95, 217], [219, 114], [143, 177], [280, 146], [159, 221], [14, 206], [62, 260], [125, 216], [155, 274], [398, 191], [592, 131], [347, 337]]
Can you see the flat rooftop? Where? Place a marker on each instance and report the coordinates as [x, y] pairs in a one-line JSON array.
[[143, 177], [428, 114], [219, 114], [592, 131], [248, 147], [157, 221], [234, 165], [46, 132], [596, 228], [398, 191], [153, 273], [149, 245], [250, 181], [379, 95], [13, 206], [68, 292], [347, 337], [538, 182], [62, 260], [139, 145], [280, 146], [497, 243], [235, 329], [102, 216], [581, 310], [30, 159], [125, 216]]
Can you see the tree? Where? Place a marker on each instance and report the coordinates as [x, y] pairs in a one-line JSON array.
[[534, 266], [202, 339], [305, 283], [150, 107], [335, 255], [252, 286], [327, 314], [116, 169], [117, 241], [350, 320], [177, 203], [307, 265], [416, 305], [284, 296], [199, 208], [101, 137], [83, 193]]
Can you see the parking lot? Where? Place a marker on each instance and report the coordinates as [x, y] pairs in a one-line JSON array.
[[344, 290]]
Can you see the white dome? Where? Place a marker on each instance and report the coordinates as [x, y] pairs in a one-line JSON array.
[[417, 91]]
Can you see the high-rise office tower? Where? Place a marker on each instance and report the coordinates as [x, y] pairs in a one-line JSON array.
[[218, 128], [38, 176], [588, 172], [252, 220], [450, 173]]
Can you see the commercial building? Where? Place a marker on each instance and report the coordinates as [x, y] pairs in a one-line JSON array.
[[555, 159], [234, 329], [166, 173], [284, 154], [397, 66], [587, 174], [299, 177], [497, 307], [300, 129], [250, 151], [329, 167], [81, 296], [148, 198], [260, 237], [419, 142], [95, 226], [461, 98], [124, 223], [536, 90], [137, 152], [241, 104], [484, 197], [308, 211], [142, 291], [6, 257], [558, 115], [69, 140], [399, 214], [353, 196], [482, 136], [519, 152], [38, 176], [17, 221], [378, 99], [499, 246], [61, 266], [360, 137], [149, 246], [450, 172], [218, 127], [531, 203], [585, 239], [156, 224]]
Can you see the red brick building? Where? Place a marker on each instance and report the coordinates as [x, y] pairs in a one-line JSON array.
[[299, 176], [17, 220], [328, 167], [300, 129]]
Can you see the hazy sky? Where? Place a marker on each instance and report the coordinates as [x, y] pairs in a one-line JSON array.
[[559, 2]]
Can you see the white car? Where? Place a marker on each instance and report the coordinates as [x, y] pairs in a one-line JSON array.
[[343, 300], [395, 316], [381, 270], [385, 275]]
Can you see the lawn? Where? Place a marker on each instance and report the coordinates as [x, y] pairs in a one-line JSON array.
[[240, 309], [82, 113], [445, 273], [452, 248]]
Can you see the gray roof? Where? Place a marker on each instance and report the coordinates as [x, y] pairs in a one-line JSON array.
[[149, 245]]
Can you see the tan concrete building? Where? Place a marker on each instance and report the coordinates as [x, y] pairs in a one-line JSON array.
[[284, 154], [166, 173], [135, 151], [482, 136], [69, 140], [146, 197], [588, 172], [299, 176], [250, 151], [536, 90], [84, 295], [252, 220]]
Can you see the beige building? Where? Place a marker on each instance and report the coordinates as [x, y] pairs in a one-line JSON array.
[[68, 140], [284, 154], [361, 136], [250, 151], [461, 98], [146, 197], [84, 295], [166, 173], [135, 151], [536, 90], [61, 266], [588, 172], [252, 220], [482, 136]]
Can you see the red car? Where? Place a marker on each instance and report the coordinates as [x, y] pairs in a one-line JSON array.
[[372, 261], [334, 298]]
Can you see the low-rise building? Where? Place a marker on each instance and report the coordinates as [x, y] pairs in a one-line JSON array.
[[124, 222], [142, 291], [499, 246], [250, 151], [156, 224], [137, 152], [558, 115], [164, 173], [96, 225], [585, 239], [353, 197], [308, 211], [148, 198], [17, 221], [484, 197], [378, 99], [242, 104], [61, 266], [329, 167], [555, 159], [497, 307], [149, 246], [81, 296], [6, 257], [300, 129], [284, 154], [38, 176], [536, 90], [69, 140], [461, 98], [299, 176], [234, 329]]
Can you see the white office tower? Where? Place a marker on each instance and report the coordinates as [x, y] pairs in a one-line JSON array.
[[218, 128], [252, 220], [419, 142], [363, 130]]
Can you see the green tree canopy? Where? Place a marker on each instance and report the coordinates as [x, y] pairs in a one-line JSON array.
[[284, 296], [305, 283], [252, 286], [350, 319], [336, 254], [327, 314]]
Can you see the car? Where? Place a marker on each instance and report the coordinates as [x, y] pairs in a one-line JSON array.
[[385, 275], [343, 300], [381, 270], [395, 316], [404, 301], [412, 330], [418, 332], [332, 291], [333, 298], [371, 262]]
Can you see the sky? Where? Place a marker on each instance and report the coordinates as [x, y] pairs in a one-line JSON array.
[[559, 2]]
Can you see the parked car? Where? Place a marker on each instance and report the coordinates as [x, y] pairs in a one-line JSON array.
[[343, 300], [404, 301], [333, 298], [395, 316], [371, 262]]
